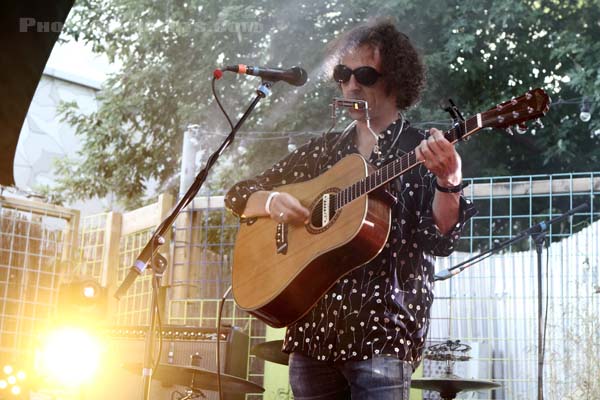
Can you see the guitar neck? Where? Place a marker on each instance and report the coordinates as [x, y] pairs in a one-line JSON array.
[[403, 164]]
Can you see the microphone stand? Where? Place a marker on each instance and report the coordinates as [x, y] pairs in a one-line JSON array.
[[149, 252], [538, 235]]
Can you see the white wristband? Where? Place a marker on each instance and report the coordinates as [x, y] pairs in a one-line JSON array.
[[269, 200]]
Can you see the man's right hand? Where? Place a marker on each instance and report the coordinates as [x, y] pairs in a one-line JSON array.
[[286, 208]]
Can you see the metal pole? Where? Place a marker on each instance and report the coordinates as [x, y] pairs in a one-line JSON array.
[[188, 158]]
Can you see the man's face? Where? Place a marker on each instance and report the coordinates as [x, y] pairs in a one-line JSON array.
[[379, 102]]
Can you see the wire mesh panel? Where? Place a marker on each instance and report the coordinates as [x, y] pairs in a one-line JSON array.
[[134, 307], [35, 252], [493, 306], [130, 234], [91, 248], [203, 244]]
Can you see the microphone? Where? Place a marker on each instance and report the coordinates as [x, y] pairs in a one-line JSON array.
[[294, 76]]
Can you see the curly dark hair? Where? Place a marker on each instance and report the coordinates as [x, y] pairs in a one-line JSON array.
[[401, 65]]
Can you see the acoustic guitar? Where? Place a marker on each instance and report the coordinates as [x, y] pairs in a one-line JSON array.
[[280, 270]]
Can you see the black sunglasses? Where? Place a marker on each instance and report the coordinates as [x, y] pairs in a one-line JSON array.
[[364, 75]]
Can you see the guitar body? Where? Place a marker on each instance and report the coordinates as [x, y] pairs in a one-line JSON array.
[[279, 288]]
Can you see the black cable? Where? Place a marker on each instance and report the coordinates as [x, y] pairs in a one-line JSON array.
[[188, 197], [546, 310], [219, 315], [156, 309], [214, 91], [219, 389]]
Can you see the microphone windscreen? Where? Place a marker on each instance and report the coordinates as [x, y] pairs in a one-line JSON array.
[[300, 76]]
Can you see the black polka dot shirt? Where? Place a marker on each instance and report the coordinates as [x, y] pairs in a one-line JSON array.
[[383, 307]]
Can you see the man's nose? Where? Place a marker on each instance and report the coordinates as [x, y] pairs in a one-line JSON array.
[[352, 84]]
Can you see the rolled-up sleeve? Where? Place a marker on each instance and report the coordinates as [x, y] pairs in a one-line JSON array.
[[237, 197], [434, 241]]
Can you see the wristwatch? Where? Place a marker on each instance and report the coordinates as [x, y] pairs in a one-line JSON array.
[[452, 189]]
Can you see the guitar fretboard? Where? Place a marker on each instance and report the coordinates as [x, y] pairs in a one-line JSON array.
[[396, 168]]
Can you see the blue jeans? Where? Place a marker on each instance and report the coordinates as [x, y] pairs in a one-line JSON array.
[[379, 378]]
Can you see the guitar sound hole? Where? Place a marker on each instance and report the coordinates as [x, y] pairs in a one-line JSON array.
[[316, 216]]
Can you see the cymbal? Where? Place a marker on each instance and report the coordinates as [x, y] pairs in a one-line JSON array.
[[203, 379], [271, 351], [446, 357], [452, 384]]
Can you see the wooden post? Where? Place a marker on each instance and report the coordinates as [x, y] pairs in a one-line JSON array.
[[72, 234], [165, 204], [110, 258]]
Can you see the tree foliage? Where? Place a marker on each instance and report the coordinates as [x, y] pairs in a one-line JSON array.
[[477, 52]]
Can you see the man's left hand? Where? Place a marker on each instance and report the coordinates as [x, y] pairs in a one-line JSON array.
[[440, 157]]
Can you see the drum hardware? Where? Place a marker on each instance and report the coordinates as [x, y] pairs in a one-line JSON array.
[[196, 379], [449, 385]]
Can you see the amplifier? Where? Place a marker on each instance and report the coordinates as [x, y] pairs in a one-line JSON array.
[[179, 344]]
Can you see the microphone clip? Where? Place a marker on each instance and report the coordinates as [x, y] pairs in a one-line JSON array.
[[457, 119]]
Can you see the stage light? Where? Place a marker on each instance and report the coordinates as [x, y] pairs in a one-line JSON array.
[[585, 115], [21, 375], [8, 369], [15, 390], [89, 291], [69, 356], [81, 299], [3, 384], [12, 380]]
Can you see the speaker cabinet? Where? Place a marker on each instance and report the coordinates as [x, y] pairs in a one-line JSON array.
[[125, 348]]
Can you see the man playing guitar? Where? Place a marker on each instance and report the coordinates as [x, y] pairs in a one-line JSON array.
[[365, 336]]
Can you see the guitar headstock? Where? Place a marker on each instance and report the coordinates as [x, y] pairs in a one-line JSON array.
[[533, 104]]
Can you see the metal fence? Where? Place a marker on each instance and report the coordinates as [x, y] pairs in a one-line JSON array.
[[37, 246], [491, 306]]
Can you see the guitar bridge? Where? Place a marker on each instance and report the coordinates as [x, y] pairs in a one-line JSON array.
[[281, 238]]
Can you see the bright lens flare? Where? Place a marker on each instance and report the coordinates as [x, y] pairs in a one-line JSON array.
[[15, 390], [12, 380], [8, 369], [89, 292], [3, 384], [70, 356]]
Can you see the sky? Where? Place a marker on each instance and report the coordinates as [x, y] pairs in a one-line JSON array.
[[78, 59]]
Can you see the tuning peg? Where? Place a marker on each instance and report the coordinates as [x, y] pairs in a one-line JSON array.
[[509, 130], [538, 122], [521, 128]]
